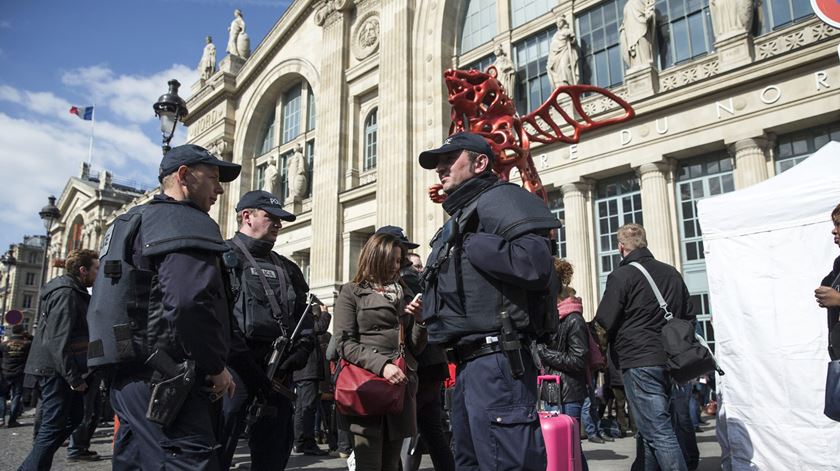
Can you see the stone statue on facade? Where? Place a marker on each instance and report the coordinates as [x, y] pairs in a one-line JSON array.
[[207, 64], [731, 17], [636, 33], [296, 166], [238, 42], [505, 70], [563, 68], [270, 177]]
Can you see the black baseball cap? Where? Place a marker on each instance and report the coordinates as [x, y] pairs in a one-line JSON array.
[[191, 154], [399, 234], [267, 202], [457, 142]]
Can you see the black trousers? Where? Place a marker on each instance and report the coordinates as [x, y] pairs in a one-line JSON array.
[[305, 408], [430, 428], [80, 439], [189, 443]]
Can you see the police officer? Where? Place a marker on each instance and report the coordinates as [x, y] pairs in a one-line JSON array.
[[489, 294], [271, 297], [165, 296]]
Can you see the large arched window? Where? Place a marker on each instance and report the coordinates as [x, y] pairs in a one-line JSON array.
[[523, 11], [479, 25], [371, 127], [267, 141]]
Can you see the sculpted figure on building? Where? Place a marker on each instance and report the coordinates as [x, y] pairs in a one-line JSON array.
[[238, 42], [731, 17], [297, 175], [563, 56], [637, 33], [207, 64], [270, 181], [506, 70]]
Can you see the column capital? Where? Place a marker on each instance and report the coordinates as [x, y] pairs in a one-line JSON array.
[[584, 186], [665, 166]]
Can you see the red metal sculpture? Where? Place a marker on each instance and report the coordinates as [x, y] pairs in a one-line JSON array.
[[480, 105]]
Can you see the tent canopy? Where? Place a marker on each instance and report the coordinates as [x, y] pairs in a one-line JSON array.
[[767, 248]]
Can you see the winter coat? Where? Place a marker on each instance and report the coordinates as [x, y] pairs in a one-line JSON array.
[[61, 341], [833, 313], [567, 355], [15, 351], [630, 313], [314, 368], [366, 329]]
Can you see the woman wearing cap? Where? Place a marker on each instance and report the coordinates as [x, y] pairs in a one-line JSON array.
[[369, 313]]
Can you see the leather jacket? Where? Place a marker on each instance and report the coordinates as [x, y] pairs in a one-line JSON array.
[[566, 355]]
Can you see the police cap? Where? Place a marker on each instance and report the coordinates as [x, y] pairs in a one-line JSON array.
[[399, 234], [191, 154], [457, 142], [267, 202]]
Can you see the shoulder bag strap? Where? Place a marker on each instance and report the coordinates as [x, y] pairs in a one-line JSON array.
[[282, 277], [659, 298], [272, 300]]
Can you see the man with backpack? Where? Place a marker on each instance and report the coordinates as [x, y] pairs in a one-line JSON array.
[[633, 319]]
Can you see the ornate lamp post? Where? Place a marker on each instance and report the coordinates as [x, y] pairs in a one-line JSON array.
[[8, 260], [49, 215], [169, 109]]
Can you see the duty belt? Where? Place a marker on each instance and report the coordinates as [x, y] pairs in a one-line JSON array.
[[491, 344]]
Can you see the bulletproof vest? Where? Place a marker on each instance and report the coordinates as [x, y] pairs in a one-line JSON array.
[[252, 309], [125, 312], [461, 300]]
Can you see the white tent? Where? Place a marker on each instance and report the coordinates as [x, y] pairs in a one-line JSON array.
[[767, 248]]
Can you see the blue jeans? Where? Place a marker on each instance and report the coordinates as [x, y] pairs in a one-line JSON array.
[[648, 390], [16, 395], [62, 410], [681, 419], [572, 409]]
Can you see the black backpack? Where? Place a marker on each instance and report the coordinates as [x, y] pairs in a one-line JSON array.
[[689, 356]]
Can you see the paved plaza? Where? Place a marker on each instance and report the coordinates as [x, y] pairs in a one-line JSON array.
[[615, 456]]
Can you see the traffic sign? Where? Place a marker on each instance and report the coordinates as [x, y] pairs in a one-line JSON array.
[[828, 11], [14, 317]]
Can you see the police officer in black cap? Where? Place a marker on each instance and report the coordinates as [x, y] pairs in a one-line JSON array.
[[489, 295], [271, 297], [161, 321]]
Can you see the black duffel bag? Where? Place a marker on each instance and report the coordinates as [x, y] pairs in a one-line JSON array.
[[689, 356]]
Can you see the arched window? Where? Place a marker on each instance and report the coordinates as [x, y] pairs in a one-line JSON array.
[[479, 24], [370, 140], [74, 235], [523, 11], [267, 141], [291, 113]]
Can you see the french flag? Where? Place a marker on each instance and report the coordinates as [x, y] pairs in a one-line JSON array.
[[84, 112]]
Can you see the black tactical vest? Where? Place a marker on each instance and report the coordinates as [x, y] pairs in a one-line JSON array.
[[125, 313]]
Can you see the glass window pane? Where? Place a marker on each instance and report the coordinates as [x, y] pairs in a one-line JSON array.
[[598, 38], [682, 48], [780, 9], [698, 35], [479, 24]]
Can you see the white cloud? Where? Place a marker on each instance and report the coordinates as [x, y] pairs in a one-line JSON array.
[[129, 96], [8, 93]]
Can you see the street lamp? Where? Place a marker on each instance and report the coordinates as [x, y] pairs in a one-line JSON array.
[[170, 108], [8, 260], [49, 215]]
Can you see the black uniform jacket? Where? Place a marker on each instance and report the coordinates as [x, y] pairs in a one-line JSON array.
[[630, 313], [61, 339], [14, 352]]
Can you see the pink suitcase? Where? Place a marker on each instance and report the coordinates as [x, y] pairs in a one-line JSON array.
[[561, 434]]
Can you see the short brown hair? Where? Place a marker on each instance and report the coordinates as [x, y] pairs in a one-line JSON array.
[[564, 271], [77, 259], [836, 212], [632, 236], [375, 259]]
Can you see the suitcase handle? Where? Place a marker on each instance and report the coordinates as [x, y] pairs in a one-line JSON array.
[[540, 380]]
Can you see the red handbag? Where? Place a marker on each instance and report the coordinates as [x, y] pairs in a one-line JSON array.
[[358, 392]]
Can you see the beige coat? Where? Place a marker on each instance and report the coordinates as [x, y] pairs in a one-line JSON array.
[[366, 328]]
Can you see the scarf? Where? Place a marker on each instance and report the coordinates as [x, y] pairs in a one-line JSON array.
[[468, 191], [569, 305]]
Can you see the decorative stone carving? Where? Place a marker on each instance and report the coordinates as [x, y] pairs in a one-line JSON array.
[[297, 174], [270, 181], [689, 74], [636, 33], [207, 64], [770, 46], [219, 147], [366, 36], [731, 17], [238, 42], [325, 13], [597, 103], [506, 72], [563, 68]]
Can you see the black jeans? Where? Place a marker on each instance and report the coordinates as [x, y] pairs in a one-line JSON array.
[[430, 428], [305, 407], [61, 412], [80, 439]]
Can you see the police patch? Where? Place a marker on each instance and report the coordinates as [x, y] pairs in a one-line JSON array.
[[106, 242], [267, 273]]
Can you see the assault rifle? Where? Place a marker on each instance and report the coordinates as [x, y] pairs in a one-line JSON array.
[[279, 352]]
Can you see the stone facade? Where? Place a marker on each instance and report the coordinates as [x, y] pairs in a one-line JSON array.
[[23, 278], [359, 85]]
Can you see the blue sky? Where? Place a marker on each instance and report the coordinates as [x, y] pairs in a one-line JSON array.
[[55, 54]]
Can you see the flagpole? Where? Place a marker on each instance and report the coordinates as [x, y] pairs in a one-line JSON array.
[[92, 123]]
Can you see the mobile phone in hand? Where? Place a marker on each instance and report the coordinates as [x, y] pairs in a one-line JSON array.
[[418, 297]]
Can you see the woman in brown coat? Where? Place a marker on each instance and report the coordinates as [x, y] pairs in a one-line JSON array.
[[367, 329]]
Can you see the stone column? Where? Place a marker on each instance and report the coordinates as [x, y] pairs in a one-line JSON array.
[[656, 210], [332, 138], [577, 198], [750, 161], [394, 167]]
